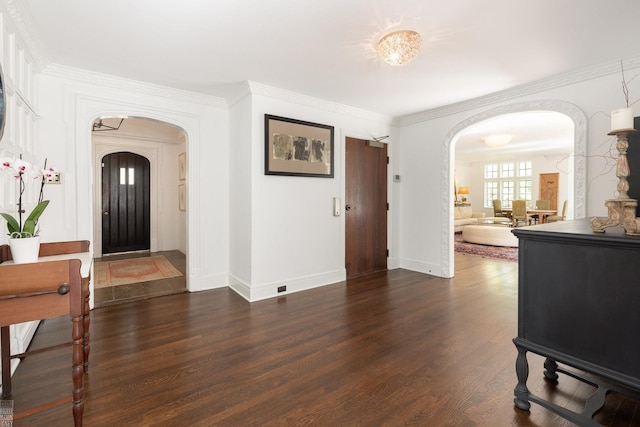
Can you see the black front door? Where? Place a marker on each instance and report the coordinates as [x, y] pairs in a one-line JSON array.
[[125, 203]]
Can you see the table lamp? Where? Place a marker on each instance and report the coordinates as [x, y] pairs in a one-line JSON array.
[[463, 191]]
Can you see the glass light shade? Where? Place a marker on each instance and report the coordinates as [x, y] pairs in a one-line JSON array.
[[399, 47], [497, 140]]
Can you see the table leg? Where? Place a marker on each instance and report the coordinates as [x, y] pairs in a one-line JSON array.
[[5, 343], [77, 371], [86, 318], [521, 391]]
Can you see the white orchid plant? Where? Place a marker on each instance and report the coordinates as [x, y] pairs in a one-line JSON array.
[[22, 169]]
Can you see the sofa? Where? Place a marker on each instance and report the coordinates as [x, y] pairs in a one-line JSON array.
[[464, 215]]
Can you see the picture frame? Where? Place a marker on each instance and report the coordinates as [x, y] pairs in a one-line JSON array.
[[182, 197], [182, 166], [298, 148]]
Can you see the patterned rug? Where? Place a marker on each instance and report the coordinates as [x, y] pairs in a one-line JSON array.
[[498, 252], [135, 270]]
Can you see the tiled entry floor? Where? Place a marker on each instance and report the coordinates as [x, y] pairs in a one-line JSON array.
[[155, 288]]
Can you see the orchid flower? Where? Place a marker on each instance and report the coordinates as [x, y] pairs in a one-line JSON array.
[[16, 228]]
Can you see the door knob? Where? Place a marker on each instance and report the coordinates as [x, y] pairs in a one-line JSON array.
[[105, 213]]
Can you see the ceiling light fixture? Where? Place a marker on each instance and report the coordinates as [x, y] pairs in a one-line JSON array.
[[399, 47], [497, 140]]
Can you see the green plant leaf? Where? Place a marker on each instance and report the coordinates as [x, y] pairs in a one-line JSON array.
[[12, 224], [37, 211], [29, 226]]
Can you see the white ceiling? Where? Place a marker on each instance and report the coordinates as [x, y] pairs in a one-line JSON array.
[[538, 133], [325, 48]]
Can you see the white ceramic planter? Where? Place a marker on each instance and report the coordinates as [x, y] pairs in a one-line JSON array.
[[26, 250]]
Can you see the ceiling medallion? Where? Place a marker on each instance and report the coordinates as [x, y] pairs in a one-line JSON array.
[[399, 47]]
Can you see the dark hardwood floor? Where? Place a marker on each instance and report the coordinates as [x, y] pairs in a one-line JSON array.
[[388, 349]]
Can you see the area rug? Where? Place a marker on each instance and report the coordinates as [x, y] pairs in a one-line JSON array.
[[487, 251], [134, 270]]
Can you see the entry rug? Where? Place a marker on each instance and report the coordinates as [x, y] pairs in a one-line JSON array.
[[499, 252], [126, 271]]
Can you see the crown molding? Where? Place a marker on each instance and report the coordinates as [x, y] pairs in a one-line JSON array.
[[238, 92], [538, 86], [25, 27], [113, 82], [313, 102]]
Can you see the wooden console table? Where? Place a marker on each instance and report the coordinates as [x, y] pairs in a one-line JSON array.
[[578, 305], [56, 285]]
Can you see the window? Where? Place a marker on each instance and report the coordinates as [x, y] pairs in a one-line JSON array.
[[123, 176], [524, 189], [507, 181]]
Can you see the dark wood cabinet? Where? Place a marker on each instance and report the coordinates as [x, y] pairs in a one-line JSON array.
[[579, 305]]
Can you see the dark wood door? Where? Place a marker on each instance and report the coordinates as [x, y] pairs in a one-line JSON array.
[[365, 208], [125, 203]]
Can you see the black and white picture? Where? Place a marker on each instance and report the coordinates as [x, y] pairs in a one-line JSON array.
[[295, 147]]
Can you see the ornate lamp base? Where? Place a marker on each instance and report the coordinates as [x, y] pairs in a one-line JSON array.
[[620, 212]]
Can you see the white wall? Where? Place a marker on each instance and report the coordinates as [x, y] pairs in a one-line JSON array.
[[420, 197], [295, 239], [19, 83], [180, 232], [278, 230], [424, 241], [71, 99], [241, 195]]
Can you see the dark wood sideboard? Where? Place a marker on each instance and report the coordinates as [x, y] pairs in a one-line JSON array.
[[579, 306]]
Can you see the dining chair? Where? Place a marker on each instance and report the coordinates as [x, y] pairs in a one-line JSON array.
[[519, 212], [540, 204], [497, 208], [554, 218]]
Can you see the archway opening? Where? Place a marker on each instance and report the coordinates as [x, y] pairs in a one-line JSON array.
[[575, 163], [164, 147]]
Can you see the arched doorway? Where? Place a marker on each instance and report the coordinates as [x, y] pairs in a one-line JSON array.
[[578, 163], [137, 214]]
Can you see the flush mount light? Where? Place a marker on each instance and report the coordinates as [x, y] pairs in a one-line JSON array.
[[399, 47], [497, 140]]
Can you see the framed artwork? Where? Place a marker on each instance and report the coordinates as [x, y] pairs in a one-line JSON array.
[[182, 166], [182, 197], [297, 148]]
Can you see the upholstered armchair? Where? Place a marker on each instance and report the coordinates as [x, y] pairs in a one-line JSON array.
[[497, 208], [519, 212], [554, 218]]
